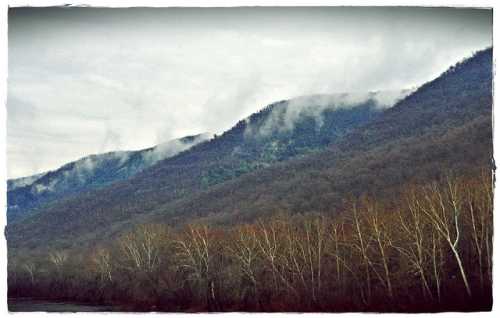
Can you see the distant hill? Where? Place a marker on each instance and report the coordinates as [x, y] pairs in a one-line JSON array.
[[297, 156], [27, 194]]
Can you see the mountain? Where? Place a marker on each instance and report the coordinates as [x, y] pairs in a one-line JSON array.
[[279, 132], [26, 195], [444, 127], [287, 159], [23, 181]]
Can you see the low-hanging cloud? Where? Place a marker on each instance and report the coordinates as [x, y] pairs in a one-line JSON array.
[[83, 171], [284, 117], [171, 148]]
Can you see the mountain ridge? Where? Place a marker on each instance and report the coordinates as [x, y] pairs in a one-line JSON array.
[[86, 173], [225, 157], [468, 95], [314, 182]]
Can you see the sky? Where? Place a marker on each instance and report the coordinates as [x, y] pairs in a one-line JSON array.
[[90, 80]]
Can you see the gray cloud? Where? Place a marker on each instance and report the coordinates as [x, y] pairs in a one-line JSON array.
[[88, 80]]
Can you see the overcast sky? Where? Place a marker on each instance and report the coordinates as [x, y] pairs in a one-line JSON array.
[[90, 80]]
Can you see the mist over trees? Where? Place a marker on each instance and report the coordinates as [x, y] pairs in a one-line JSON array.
[[26, 195]]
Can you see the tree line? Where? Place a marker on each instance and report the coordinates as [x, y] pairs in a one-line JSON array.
[[428, 250]]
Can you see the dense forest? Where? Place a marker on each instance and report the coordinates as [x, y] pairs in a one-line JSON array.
[[428, 250]]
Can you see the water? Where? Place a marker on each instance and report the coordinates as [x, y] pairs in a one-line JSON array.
[[30, 305]]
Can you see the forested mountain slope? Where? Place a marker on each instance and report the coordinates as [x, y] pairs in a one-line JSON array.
[[281, 131], [25, 195], [444, 126]]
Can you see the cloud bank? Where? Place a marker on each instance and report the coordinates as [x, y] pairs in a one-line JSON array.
[[92, 80]]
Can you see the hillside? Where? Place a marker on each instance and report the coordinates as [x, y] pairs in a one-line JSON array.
[[27, 194], [279, 132], [444, 126]]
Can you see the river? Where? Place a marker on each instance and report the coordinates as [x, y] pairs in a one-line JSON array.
[[29, 304]]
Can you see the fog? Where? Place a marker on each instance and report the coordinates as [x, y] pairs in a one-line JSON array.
[[283, 119], [87, 169]]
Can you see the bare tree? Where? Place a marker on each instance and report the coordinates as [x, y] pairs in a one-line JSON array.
[[443, 210], [337, 230], [30, 268], [142, 248], [314, 245], [272, 250], [102, 259], [195, 254], [245, 249], [360, 242], [58, 259], [413, 227], [302, 256], [341, 250], [479, 206], [383, 242], [437, 261], [487, 217]]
